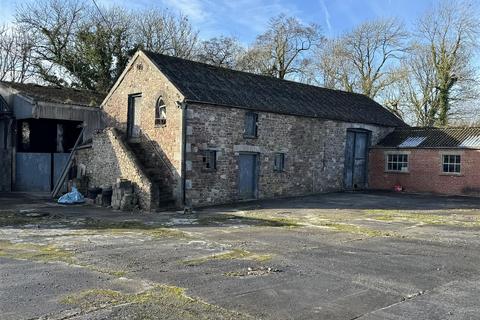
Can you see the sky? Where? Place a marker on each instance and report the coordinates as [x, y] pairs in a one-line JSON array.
[[245, 19]]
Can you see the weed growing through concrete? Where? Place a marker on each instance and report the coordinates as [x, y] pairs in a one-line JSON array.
[[159, 302], [235, 254]]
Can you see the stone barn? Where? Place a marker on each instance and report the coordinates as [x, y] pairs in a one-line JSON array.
[[39, 126], [435, 160], [194, 135]]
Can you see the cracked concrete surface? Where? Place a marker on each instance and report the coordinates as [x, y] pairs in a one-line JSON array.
[[336, 256]]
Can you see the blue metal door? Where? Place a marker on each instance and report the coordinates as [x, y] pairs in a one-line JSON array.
[[356, 155], [247, 176], [33, 172]]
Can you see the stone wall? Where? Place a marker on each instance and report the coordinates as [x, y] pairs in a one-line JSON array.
[[110, 159], [425, 172], [314, 153], [5, 170], [144, 78]]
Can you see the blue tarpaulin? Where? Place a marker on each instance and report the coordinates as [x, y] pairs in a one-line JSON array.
[[72, 197]]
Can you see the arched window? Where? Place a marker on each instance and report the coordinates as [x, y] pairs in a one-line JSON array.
[[160, 113]]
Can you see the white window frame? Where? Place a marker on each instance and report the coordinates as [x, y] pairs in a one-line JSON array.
[[443, 163], [405, 169]]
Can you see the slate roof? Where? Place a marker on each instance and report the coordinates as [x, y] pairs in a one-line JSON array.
[[57, 94], [417, 138], [204, 83]]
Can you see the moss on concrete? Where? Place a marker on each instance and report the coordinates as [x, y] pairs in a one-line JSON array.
[[350, 228], [235, 254], [14, 219], [453, 218], [36, 252], [48, 253], [159, 302], [251, 219]]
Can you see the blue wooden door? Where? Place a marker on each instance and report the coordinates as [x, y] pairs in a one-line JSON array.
[[33, 172], [356, 155], [247, 176]]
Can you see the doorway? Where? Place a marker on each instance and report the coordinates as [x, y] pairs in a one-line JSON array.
[[356, 159], [247, 184], [133, 116]]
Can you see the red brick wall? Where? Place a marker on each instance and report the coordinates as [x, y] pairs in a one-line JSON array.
[[425, 172]]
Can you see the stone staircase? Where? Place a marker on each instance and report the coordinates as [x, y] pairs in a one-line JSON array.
[[154, 168]]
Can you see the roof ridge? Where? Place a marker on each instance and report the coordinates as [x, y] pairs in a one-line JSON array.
[[254, 74], [438, 128], [49, 86]]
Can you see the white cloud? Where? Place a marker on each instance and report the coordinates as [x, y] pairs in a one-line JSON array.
[[196, 10]]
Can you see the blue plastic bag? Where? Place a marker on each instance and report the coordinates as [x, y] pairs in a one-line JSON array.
[[72, 197]]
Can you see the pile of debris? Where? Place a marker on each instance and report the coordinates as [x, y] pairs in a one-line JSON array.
[[120, 196], [123, 196]]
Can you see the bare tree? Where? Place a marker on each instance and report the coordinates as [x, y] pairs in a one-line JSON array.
[[450, 32], [282, 50], [15, 55], [334, 68], [163, 32], [221, 52], [372, 48]]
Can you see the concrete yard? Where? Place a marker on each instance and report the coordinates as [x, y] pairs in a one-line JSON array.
[[331, 256]]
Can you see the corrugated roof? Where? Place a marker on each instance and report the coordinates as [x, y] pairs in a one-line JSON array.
[[57, 94], [204, 83], [465, 137]]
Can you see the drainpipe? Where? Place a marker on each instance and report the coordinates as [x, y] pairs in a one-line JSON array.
[[183, 106]]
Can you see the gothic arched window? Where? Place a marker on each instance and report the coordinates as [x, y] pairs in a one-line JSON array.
[[160, 113]]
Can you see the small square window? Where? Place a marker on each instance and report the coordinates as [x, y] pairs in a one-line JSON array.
[[451, 164], [397, 162], [251, 125], [279, 162], [210, 159]]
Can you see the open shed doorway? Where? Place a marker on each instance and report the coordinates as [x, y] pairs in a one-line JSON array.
[[42, 150]]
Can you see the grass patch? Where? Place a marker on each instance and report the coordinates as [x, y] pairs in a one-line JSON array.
[[35, 252], [47, 253], [235, 254], [439, 218], [159, 302], [350, 228]]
